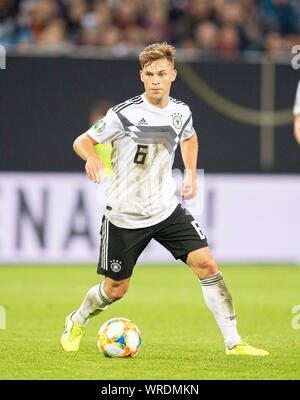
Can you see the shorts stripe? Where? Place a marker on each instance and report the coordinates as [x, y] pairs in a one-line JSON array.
[[106, 243], [103, 243]]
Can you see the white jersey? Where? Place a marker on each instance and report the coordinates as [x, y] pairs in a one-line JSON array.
[[144, 140], [297, 101]]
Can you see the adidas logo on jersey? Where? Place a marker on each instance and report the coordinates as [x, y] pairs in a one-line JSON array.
[[142, 122]]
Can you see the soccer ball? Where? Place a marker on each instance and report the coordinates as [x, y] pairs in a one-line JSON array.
[[119, 337]]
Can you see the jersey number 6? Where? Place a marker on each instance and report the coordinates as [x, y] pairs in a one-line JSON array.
[[140, 155]]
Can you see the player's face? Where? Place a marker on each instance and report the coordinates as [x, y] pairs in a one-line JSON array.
[[157, 78]]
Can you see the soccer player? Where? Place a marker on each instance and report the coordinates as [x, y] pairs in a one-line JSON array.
[[297, 115], [145, 132]]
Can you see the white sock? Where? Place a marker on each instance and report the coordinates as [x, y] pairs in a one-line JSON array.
[[219, 301], [94, 303]]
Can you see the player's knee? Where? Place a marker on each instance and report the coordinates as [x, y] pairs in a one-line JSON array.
[[116, 290], [205, 267], [118, 293]]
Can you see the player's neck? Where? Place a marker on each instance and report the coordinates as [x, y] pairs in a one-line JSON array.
[[159, 103]]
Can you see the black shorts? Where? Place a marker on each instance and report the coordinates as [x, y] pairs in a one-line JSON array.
[[121, 247]]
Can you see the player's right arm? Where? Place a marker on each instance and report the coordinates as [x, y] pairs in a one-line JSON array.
[[104, 131], [83, 146]]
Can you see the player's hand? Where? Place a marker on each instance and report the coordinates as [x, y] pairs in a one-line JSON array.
[[93, 168], [188, 188]]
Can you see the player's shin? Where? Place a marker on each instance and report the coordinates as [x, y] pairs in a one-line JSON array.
[[94, 303], [219, 301]]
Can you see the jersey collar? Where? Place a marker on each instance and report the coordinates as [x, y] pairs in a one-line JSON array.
[[152, 107]]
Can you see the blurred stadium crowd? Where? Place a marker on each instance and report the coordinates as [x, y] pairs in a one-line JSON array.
[[226, 27]]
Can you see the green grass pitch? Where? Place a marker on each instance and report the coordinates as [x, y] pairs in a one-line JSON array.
[[180, 337]]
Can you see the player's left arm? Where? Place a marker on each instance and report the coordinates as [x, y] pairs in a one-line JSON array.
[[297, 128], [296, 112], [189, 153]]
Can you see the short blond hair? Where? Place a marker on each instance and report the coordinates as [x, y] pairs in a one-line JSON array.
[[156, 51]]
